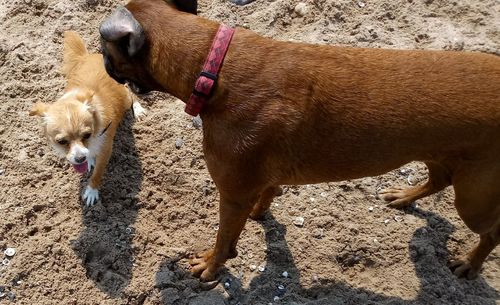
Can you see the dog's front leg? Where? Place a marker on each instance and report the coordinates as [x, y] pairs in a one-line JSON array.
[[233, 216], [91, 194]]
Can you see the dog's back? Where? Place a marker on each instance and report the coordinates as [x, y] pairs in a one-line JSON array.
[[82, 68]]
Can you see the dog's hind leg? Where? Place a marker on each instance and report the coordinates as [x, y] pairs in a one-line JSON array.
[[470, 266], [439, 178], [233, 216], [264, 202], [477, 201]]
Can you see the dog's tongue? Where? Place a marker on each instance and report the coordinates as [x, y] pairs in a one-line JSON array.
[[81, 168]]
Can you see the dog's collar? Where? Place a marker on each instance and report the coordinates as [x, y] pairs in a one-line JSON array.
[[208, 77], [105, 129]]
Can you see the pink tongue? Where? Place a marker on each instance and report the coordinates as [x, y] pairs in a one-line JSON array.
[[81, 168]]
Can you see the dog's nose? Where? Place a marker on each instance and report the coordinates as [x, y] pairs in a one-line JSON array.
[[80, 159]]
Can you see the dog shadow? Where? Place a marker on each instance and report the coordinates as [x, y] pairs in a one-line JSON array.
[[105, 244], [428, 251]]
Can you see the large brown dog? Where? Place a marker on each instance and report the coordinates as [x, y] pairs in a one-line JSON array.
[[294, 113]]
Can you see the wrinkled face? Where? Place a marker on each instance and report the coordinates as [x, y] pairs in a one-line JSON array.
[[127, 69], [70, 126]]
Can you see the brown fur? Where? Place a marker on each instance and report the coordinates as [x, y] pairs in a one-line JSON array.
[[106, 100], [294, 113]]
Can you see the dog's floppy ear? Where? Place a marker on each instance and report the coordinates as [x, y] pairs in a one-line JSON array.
[[39, 109], [123, 29], [188, 6]]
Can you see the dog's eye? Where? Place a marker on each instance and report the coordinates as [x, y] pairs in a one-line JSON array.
[[62, 141], [86, 136]]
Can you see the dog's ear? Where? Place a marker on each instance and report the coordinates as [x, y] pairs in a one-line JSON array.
[[123, 29], [39, 109], [188, 6]]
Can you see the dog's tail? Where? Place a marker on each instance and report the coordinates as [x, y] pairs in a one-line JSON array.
[[74, 49]]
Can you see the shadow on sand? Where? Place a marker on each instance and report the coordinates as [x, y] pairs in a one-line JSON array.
[[104, 246], [427, 249]]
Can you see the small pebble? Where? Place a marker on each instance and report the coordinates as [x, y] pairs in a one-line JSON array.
[[284, 274], [12, 296], [298, 221], [2, 171], [227, 285], [411, 180], [312, 199], [197, 122], [261, 268], [370, 209], [281, 287], [386, 221], [375, 241], [324, 194], [128, 230], [398, 218], [301, 9], [179, 143], [6, 262], [361, 4], [315, 278], [318, 233], [276, 298], [253, 267], [10, 252]]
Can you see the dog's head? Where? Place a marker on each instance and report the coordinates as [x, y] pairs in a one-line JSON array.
[[71, 126], [124, 43]]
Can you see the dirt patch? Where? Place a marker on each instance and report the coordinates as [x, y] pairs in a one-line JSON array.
[[159, 204]]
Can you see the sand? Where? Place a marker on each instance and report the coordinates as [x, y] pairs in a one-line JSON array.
[[159, 203]]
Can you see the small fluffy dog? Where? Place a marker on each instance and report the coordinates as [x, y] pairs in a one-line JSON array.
[[82, 123]]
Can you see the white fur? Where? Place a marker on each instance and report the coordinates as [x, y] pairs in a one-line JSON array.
[[69, 93], [46, 119], [90, 196], [77, 150], [139, 111], [86, 106]]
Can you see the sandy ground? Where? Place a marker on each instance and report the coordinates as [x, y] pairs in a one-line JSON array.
[[159, 204]]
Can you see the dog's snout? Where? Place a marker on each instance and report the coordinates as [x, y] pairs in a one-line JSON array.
[[80, 159]]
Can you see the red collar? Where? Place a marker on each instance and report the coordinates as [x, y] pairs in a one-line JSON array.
[[208, 77]]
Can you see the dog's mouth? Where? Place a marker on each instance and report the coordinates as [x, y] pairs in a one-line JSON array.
[[81, 168]]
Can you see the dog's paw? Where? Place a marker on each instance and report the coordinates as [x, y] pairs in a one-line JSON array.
[[203, 266], [139, 111], [463, 268], [90, 196], [397, 198]]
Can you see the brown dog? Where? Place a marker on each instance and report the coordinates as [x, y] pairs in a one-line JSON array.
[[294, 113]]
